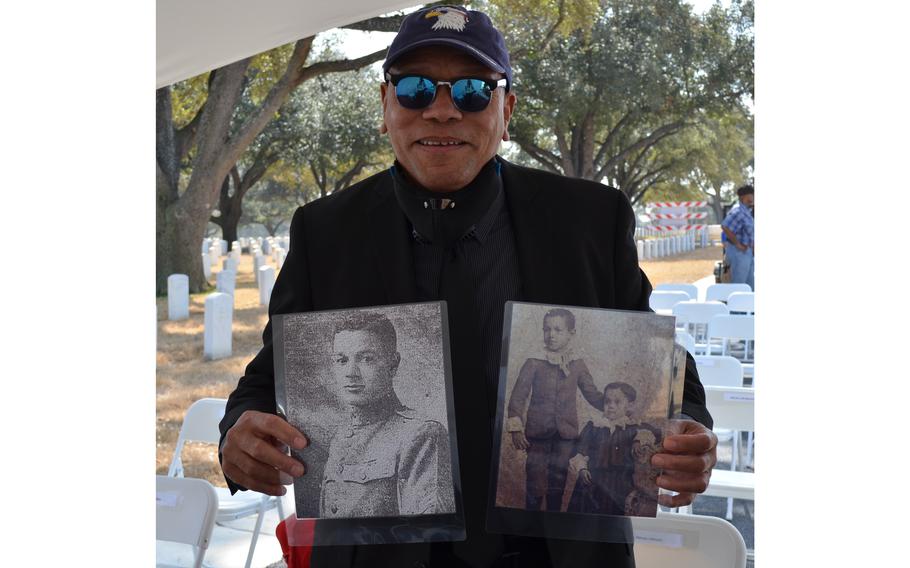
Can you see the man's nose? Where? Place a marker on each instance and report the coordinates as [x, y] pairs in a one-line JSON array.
[[443, 107]]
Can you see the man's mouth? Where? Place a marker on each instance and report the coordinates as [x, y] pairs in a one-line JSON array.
[[440, 142], [354, 388]]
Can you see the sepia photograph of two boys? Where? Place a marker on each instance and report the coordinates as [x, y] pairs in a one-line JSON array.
[[584, 411]]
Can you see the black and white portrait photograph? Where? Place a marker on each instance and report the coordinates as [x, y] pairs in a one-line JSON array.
[[584, 400], [369, 387]]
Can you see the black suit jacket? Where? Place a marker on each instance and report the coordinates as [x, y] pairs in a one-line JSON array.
[[576, 246]]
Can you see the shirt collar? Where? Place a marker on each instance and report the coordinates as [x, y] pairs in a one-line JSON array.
[[604, 422]]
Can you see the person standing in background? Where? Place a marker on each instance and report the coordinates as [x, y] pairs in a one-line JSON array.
[[739, 230]]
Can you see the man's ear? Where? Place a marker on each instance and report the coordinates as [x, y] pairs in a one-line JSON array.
[[383, 91], [393, 368], [507, 107]]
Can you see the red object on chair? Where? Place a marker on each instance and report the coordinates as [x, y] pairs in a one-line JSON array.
[[296, 538]]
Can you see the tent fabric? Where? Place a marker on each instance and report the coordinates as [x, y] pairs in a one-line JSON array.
[[196, 36]]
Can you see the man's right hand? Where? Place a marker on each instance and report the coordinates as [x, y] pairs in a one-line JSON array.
[[742, 247], [252, 453], [519, 441]]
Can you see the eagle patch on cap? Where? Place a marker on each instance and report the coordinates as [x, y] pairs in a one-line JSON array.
[[448, 18]]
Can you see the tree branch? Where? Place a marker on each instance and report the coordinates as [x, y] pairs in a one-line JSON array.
[[548, 37]]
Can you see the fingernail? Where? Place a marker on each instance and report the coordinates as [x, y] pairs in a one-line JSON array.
[[298, 470], [299, 443]]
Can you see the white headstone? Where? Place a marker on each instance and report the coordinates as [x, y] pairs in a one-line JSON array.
[[178, 297], [226, 281], [258, 262], [641, 249], [230, 263], [223, 244], [215, 253], [207, 265], [266, 283], [266, 247], [282, 254], [206, 244], [219, 313]]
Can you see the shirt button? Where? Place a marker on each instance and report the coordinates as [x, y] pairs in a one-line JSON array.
[[363, 476], [340, 468], [334, 508]]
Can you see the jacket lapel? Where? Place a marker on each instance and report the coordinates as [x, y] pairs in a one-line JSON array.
[[390, 242], [534, 233]]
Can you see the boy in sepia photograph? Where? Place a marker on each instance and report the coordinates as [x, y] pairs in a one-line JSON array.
[[612, 459], [385, 460], [549, 428]]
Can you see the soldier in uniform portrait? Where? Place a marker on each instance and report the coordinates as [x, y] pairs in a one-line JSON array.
[[386, 460]]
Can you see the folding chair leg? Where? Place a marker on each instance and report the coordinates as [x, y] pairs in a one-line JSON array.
[[262, 505], [735, 459], [749, 442]]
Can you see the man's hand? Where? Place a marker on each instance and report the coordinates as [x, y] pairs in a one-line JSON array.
[[253, 456], [585, 477], [519, 441], [688, 455], [742, 247]]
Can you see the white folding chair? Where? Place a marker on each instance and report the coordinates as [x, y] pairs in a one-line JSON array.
[[695, 317], [690, 289], [720, 292], [741, 302], [731, 408], [725, 327], [662, 302], [201, 425], [719, 370], [687, 541], [185, 513], [685, 339]]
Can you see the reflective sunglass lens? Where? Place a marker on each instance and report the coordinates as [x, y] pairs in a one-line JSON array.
[[471, 95], [415, 92]]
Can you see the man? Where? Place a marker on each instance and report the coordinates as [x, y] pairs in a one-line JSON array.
[[739, 230], [453, 221], [387, 462]]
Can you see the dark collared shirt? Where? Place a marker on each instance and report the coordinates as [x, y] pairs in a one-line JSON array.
[[492, 258]]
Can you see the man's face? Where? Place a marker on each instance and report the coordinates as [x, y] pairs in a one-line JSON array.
[[363, 370], [748, 200], [556, 333], [476, 134]]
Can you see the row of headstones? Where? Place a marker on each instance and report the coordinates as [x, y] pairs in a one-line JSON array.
[[672, 244], [219, 306], [219, 311]]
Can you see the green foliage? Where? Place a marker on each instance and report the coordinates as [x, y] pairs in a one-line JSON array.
[[187, 97], [326, 137], [615, 102]]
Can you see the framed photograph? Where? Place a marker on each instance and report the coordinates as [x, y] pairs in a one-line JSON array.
[[584, 399], [372, 390]]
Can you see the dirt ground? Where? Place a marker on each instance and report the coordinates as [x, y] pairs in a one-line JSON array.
[[183, 376]]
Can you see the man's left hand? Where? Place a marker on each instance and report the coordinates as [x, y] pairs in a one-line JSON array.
[[688, 455]]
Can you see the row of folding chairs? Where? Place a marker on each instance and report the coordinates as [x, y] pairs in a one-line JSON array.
[[187, 508], [714, 292]]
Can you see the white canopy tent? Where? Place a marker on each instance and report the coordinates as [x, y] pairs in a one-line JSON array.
[[195, 36]]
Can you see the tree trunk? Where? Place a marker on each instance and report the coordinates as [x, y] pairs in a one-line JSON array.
[[173, 253]]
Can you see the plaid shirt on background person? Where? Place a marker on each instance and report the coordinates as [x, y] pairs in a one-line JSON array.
[[739, 220]]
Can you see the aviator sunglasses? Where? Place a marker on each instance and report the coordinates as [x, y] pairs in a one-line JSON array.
[[470, 94]]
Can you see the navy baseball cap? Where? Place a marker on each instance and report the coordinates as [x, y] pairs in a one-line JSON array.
[[467, 30]]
